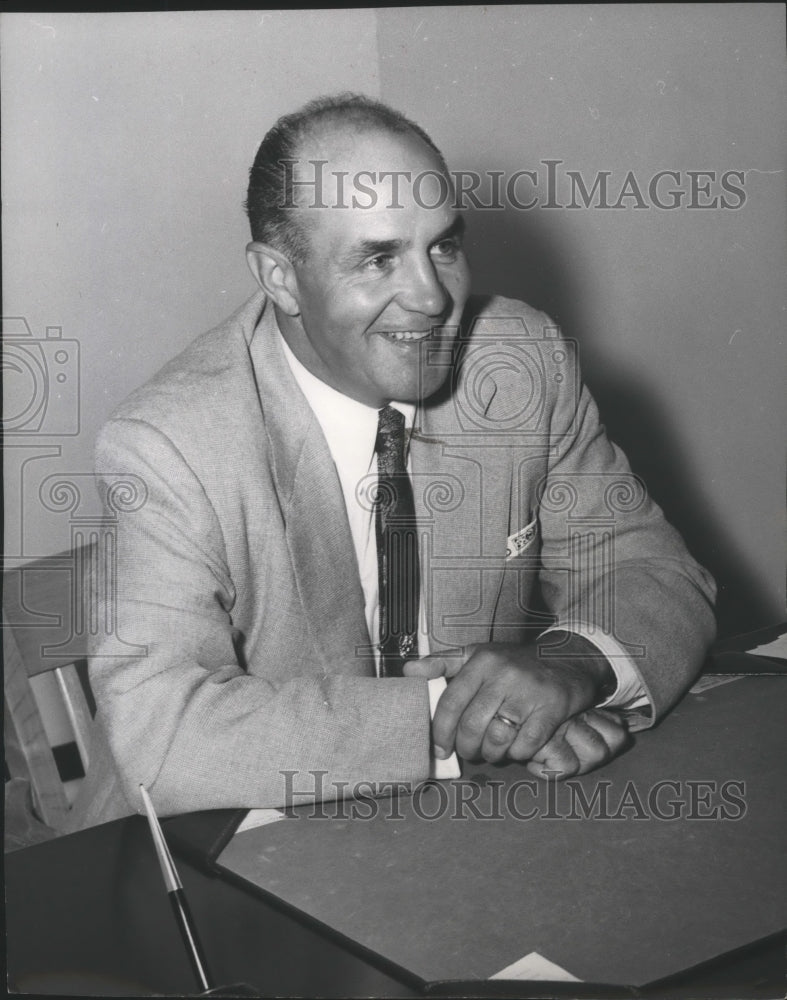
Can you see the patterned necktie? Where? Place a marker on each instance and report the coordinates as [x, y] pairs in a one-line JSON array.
[[397, 547]]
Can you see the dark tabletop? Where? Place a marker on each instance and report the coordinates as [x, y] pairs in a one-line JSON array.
[[87, 915]]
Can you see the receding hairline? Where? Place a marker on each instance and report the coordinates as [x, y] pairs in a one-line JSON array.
[[305, 135], [312, 146], [317, 134]]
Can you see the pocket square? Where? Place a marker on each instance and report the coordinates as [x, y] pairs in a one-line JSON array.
[[520, 540]]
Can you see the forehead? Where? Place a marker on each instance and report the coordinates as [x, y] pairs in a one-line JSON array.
[[345, 147], [371, 184]]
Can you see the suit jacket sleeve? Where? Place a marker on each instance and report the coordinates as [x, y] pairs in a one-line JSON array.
[[182, 715], [631, 575]]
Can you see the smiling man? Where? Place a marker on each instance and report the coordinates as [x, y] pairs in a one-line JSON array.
[[367, 483], [375, 280]]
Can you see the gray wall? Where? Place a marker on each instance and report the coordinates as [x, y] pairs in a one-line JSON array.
[[126, 144], [679, 313], [127, 140]]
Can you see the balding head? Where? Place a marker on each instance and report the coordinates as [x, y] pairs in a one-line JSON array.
[[299, 138]]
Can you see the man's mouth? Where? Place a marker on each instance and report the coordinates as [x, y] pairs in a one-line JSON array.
[[407, 336]]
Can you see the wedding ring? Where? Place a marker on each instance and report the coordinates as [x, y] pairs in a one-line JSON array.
[[506, 721]]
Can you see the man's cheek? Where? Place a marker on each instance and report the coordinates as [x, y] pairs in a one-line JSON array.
[[459, 288]]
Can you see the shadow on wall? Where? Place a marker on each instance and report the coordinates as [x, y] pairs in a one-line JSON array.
[[634, 416]]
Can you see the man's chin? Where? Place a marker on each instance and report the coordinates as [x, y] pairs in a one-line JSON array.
[[421, 390]]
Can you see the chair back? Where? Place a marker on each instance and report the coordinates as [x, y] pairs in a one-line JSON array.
[[49, 608]]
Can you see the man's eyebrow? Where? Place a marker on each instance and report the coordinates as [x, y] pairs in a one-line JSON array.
[[371, 248]]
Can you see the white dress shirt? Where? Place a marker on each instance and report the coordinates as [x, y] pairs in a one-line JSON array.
[[350, 429]]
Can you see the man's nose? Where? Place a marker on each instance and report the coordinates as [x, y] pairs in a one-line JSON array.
[[422, 290]]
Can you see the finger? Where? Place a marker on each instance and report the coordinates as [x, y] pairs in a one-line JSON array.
[[581, 744], [500, 733], [453, 702], [556, 759], [537, 729], [479, 719], [439, 665], [589, 746], [559, 735], [428, 666], [610, 727]]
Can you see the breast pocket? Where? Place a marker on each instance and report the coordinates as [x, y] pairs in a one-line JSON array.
[[521, 540]]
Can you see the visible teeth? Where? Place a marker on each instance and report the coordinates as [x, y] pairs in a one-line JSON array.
[[408, 334]]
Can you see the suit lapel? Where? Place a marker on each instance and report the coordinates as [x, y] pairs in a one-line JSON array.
[[317, 529], [463, 502], [462, 497]]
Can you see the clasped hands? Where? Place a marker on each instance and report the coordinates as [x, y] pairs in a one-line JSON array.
[[548, 701]]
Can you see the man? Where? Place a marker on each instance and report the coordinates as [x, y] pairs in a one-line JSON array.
[[361, 449]]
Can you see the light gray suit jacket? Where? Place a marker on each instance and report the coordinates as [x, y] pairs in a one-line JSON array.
[[238, 586]]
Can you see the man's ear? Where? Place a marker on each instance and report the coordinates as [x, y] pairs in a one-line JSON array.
[[275, 275]]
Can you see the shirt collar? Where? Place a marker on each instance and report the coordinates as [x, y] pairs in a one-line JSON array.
[[350, 427]]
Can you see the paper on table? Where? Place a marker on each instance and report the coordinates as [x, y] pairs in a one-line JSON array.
[[448, 768], [535, 966], [260, 817], [777, 648], [708, 681]]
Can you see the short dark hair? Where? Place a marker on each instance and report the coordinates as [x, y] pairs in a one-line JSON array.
[[270, 185]]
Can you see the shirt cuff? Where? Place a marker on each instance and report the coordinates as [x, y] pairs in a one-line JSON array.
[[448, 768], [629, 692]]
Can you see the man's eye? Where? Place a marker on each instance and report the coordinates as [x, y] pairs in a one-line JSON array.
[[446, 250], [379, 262]]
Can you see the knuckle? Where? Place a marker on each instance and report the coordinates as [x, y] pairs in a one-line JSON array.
[[491, 752], [469, 725], [481, 663], [564, 761], [541, 726], [498, 734], [618, 740], [467, 748], [452, 703]]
